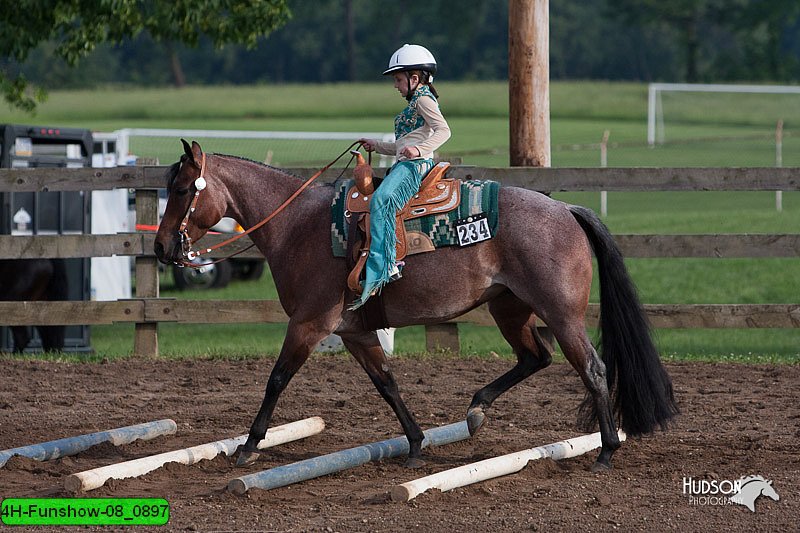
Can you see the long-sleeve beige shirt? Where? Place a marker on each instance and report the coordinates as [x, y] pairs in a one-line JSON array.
[[433, 134]]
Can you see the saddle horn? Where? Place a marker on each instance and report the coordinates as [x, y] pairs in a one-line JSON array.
[[362, 174]]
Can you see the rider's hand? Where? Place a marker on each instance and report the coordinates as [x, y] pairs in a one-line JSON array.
[[411, 152], [368, 144]]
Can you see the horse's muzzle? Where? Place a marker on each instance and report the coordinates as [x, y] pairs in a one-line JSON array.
[[158, 248], [167, 256]]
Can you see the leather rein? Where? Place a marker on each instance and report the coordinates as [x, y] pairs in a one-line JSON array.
[[200, 185]]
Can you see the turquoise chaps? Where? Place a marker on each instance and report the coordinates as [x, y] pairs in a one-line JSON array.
[[400, 184]]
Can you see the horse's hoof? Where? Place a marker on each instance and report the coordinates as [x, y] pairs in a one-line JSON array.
[[599, 467], [245, 458], [414, 462], [475, 420]]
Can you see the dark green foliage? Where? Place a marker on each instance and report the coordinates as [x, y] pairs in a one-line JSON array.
[[160, 43], [77, 28]]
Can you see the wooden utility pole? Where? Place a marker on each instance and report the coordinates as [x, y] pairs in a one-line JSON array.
[[350, 30], [529, 90], [529, 82]]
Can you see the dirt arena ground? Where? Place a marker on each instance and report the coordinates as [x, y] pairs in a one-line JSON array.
[[737, 420]]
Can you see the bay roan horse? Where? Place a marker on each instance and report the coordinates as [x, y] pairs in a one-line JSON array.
[[538, 264]]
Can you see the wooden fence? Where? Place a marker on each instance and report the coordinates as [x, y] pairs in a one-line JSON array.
[[147, 310]]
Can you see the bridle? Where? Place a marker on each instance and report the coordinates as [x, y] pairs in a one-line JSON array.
[[200, 185], [186, 241]]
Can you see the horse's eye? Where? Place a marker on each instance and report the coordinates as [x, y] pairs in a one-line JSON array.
[[180, 192]]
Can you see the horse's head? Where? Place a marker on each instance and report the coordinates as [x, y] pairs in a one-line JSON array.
[[195, 202], [768, 490], [750, 488]]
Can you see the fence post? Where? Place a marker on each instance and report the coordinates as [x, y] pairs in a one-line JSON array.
[[442, 337], [779, 161], [145, 340], [604, 164]]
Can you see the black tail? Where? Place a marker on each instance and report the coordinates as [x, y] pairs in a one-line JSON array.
[[640, 387]]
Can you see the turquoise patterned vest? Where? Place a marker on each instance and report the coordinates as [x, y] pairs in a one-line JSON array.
[[409, 120]]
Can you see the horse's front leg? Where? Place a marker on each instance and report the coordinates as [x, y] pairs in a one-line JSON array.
[[300, 339], [366, 348]]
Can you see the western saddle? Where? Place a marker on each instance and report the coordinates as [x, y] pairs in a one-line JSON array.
[[436, 195]]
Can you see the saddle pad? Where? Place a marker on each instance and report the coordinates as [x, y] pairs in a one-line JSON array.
[[476, 197]]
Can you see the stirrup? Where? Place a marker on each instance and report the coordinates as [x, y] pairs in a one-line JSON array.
[[395, 272]]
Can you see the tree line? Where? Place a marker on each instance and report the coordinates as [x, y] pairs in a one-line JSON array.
[[351, 40]]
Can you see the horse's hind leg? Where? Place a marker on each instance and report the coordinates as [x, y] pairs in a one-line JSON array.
[[300, 339], [366, 348], [592, 371], [21, 336], [52, 338], [518, 325]]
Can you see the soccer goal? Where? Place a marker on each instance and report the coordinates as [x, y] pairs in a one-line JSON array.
[[725, 125], [683, 110]]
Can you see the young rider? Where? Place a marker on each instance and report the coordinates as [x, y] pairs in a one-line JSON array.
[[419, 130]]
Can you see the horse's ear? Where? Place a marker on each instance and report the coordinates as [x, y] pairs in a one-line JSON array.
[[197, 153], [186, 148]]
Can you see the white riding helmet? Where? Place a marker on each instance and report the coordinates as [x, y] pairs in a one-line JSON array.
[[412, 57]]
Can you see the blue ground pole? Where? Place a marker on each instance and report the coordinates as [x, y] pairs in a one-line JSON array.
[[342, 460], [72, 445]]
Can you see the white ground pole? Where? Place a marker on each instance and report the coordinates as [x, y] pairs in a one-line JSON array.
[[654, 91], [92, 479], [496, 466]]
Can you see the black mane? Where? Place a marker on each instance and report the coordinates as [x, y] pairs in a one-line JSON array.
[[174, 169], [259, 163]]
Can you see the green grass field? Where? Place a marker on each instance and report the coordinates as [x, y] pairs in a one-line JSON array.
[[719, 132], [477, 111]]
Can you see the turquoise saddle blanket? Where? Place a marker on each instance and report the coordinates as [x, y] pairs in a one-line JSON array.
[[476, 197]]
